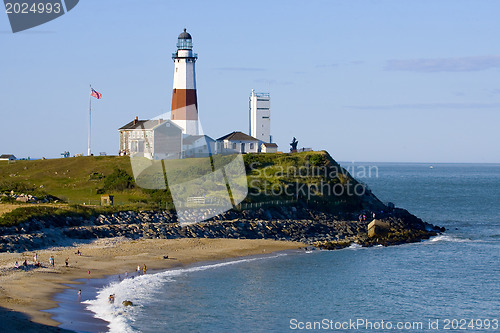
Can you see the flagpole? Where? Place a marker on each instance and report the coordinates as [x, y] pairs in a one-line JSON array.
[[90, 117]]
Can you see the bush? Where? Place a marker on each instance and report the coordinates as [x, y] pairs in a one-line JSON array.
[[119, 180], [317, 160]]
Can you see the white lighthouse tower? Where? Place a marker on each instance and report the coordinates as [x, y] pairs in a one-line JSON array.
[[184, 101]]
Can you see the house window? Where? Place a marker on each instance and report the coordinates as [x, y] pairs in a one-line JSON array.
[[234, 145], [251, 146]]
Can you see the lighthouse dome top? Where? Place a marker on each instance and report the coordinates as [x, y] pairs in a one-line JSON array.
[[185, 35]]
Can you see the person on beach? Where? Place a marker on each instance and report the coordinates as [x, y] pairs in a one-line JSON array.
[[111, 299], [16, 265], [78, 252], [138, 270], [144, 269], [67, 262], [51, 260], [35, 258]]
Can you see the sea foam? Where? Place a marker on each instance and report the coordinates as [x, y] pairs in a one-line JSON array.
[[448, 238], [140, 290]]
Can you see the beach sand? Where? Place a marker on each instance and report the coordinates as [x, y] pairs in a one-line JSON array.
[[24, 293]]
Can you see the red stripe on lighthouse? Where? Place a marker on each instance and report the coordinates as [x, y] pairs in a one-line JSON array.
[[184, 104]]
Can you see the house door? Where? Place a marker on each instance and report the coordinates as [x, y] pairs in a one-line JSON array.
[[242, 148]]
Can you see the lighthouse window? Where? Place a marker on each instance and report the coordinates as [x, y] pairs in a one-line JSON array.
[[176, 69]]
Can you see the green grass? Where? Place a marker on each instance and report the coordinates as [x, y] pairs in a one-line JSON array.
[[72, 179]]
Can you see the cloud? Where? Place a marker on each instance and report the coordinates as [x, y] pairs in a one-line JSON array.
[[426, 106], [241, 69], [463, 64]]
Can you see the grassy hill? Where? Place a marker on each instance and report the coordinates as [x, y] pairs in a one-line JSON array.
[[311, 178], [74, 180]]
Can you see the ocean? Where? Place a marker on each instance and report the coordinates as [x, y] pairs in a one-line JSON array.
[[448, 283]]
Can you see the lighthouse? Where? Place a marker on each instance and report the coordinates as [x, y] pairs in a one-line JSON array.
[[184, 102]]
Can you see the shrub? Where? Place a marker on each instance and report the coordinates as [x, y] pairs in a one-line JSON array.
[[119, 180]]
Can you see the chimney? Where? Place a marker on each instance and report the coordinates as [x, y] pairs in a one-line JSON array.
[[160, 121], [136, 120]]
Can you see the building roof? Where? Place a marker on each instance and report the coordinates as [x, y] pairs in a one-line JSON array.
[[144, 124], [237, 136], [133, 124], [188, 140], [270, 145], [185, 35], [7, 156]]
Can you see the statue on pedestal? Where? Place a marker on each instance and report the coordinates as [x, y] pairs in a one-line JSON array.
[[293, 145]]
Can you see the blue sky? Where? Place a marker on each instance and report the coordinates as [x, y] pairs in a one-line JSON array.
[[409, 81]]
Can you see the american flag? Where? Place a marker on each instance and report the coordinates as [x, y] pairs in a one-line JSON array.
[[95, 94]]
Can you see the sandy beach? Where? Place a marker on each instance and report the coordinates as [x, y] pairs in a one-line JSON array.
[[24, 292]]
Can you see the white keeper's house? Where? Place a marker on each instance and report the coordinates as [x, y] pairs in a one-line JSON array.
[[153, 139], [237, 142]]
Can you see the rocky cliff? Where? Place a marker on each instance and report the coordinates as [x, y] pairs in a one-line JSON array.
[[292, 223]]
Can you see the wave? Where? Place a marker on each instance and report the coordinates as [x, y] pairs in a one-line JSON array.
[[139, 290], [448, 238], [354, 246]]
